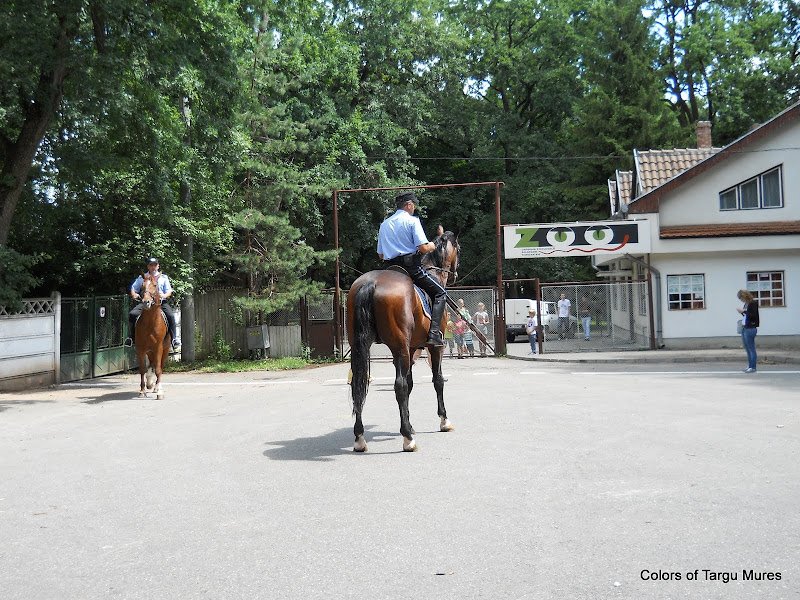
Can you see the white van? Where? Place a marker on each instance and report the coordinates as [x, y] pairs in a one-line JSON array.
[[517, 317]]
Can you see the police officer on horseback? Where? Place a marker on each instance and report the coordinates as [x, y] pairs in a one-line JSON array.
[[402, 241], [164, 290]]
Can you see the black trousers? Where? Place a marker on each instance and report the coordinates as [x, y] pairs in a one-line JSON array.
[[136, 311]]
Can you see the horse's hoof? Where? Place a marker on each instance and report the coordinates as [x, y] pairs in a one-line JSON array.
[[142, 394], [446, 425], [409, 445], [360, 445], [159, 396]]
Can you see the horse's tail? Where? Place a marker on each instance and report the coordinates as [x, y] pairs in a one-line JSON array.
[[363, 334]]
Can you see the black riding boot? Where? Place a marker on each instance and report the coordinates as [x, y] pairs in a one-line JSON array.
[[131, 332], [437, 312]]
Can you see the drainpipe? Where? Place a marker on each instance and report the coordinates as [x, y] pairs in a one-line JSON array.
[[653, 270]]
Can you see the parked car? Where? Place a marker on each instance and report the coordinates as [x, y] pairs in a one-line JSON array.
[[517, 317]]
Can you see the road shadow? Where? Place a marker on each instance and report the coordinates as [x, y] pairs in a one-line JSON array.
[[7, 404], [114, 397], [322, 447]]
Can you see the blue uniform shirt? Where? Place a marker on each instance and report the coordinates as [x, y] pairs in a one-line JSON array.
[[400, 234], [164, 286]]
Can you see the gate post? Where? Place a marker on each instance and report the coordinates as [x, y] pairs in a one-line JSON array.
[[500, 320], [57, 340]]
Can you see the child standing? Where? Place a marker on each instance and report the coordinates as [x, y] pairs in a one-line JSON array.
[[448, 332], [459, 327], [468, 342]]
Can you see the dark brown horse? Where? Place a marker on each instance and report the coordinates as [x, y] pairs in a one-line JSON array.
[[152, 340], [382, 306]]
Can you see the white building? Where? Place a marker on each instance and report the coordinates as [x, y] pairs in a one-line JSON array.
[[721, 219]]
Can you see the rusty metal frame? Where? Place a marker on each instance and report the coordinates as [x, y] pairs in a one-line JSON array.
[[337, 315]]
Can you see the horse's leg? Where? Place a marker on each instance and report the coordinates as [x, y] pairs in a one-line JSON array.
[[437, 354], [359, 385], [402, 365], [142, 370], [160, 359], [410, 382]]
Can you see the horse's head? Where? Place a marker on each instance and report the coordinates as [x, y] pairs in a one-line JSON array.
[[149, 291], [444, 258]]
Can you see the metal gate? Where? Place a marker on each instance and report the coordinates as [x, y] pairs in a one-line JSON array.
[[608, 315], [318, 326], [92, 332]]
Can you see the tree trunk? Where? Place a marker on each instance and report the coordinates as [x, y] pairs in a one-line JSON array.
[[37, 118]]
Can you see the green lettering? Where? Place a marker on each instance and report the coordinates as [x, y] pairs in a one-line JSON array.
[[527, 233]]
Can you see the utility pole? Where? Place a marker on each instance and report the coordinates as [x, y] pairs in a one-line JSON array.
[[187, 250]]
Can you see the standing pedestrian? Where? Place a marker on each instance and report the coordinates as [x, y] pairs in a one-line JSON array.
[[530, 329], [563, 316], [481, 320], [586, 317], [750, 323]]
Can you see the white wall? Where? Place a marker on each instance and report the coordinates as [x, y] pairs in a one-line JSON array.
[[30, 345], [697, 200], [724, 277]]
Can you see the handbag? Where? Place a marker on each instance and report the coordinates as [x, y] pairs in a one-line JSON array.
[[739, 326]]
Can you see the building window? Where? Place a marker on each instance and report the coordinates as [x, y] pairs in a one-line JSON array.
[[766, 287], [686, 292], [762, 191]]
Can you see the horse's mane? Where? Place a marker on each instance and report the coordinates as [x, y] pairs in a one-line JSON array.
[[436, 257]]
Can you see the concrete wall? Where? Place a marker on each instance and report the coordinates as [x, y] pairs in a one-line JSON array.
[[30, 344]]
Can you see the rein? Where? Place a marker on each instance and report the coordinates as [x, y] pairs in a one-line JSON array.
[[441, 270]]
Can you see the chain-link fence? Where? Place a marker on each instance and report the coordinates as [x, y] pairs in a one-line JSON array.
[[609, 315]]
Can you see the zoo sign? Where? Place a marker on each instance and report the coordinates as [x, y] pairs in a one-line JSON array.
[[576, 239]]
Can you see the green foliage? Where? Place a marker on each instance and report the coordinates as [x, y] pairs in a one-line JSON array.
[[221, 350], [288, 101], [212, 365], [15, 277]]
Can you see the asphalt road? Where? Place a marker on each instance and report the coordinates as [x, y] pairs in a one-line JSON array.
[[559, 481]]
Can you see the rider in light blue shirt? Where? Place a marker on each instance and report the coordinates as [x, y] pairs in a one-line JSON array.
[[400, 234], [164, 290], [402, 241]]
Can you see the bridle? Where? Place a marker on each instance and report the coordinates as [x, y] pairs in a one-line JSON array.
[[155, 298], [452, 274]]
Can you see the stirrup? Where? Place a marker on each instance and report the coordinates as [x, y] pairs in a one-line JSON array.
[[128, 343], [435, 338]]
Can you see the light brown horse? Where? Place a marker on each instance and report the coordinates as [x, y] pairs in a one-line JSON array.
[[152, 340], [382, 306]]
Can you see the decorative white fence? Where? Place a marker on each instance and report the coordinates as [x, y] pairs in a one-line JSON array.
[[30, 344]]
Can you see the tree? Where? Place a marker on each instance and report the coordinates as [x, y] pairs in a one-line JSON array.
[[732, 62], [104, 190], [623, 106]]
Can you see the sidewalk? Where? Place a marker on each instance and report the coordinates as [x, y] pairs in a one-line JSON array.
[[519, 351]]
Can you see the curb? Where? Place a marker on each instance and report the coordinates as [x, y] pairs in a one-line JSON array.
[[763, 358]]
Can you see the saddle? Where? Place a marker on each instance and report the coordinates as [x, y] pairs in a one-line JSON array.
[[163, 316], [423, 296]]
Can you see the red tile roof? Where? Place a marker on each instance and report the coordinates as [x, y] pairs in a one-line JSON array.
[[729, 229], [656, 167]]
